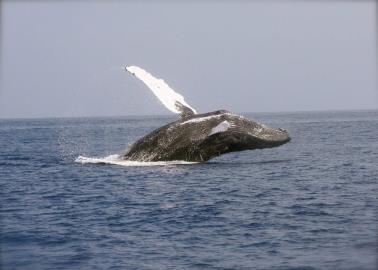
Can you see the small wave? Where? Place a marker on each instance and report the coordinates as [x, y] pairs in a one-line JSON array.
[[117, 160]]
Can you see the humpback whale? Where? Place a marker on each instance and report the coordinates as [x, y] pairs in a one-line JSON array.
[[197, 137]]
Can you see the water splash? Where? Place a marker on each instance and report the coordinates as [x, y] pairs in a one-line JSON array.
[[117, 160]]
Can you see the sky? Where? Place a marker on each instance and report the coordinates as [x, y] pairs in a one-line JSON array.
[[63, 58]]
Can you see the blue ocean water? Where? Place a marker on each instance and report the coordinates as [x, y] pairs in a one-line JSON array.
[[310, 204]]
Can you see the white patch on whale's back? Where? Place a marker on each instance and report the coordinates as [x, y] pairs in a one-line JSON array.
[[117, 160], [222, 127], [161, 89], [201, 119]]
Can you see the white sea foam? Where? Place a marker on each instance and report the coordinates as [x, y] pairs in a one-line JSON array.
[[117, 160], [160, 88]]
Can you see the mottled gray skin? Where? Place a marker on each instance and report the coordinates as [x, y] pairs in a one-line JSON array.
[[193, 141]]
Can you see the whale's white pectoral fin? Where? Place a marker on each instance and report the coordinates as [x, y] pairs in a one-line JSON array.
[[222, 127], [172, 100]]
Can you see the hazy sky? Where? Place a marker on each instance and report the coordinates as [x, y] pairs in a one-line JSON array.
[[62, 58]]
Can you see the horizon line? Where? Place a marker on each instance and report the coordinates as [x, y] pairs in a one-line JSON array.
[[172, 115]]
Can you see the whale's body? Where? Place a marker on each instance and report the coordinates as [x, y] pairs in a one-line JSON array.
[[198, 137], [204, 136]]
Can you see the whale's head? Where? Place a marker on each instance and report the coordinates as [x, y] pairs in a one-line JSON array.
[[223, 132]]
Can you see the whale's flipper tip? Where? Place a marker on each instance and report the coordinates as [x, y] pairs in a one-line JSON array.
[[130, 69]]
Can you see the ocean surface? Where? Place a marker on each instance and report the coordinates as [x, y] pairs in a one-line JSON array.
[[67, 203]]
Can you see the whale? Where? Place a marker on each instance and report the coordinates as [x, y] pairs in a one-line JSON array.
[[197, 137]]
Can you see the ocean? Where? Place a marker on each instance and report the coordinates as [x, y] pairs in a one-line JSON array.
[[309, 204]]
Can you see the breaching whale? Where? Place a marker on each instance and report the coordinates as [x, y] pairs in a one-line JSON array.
[[198, 137]]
